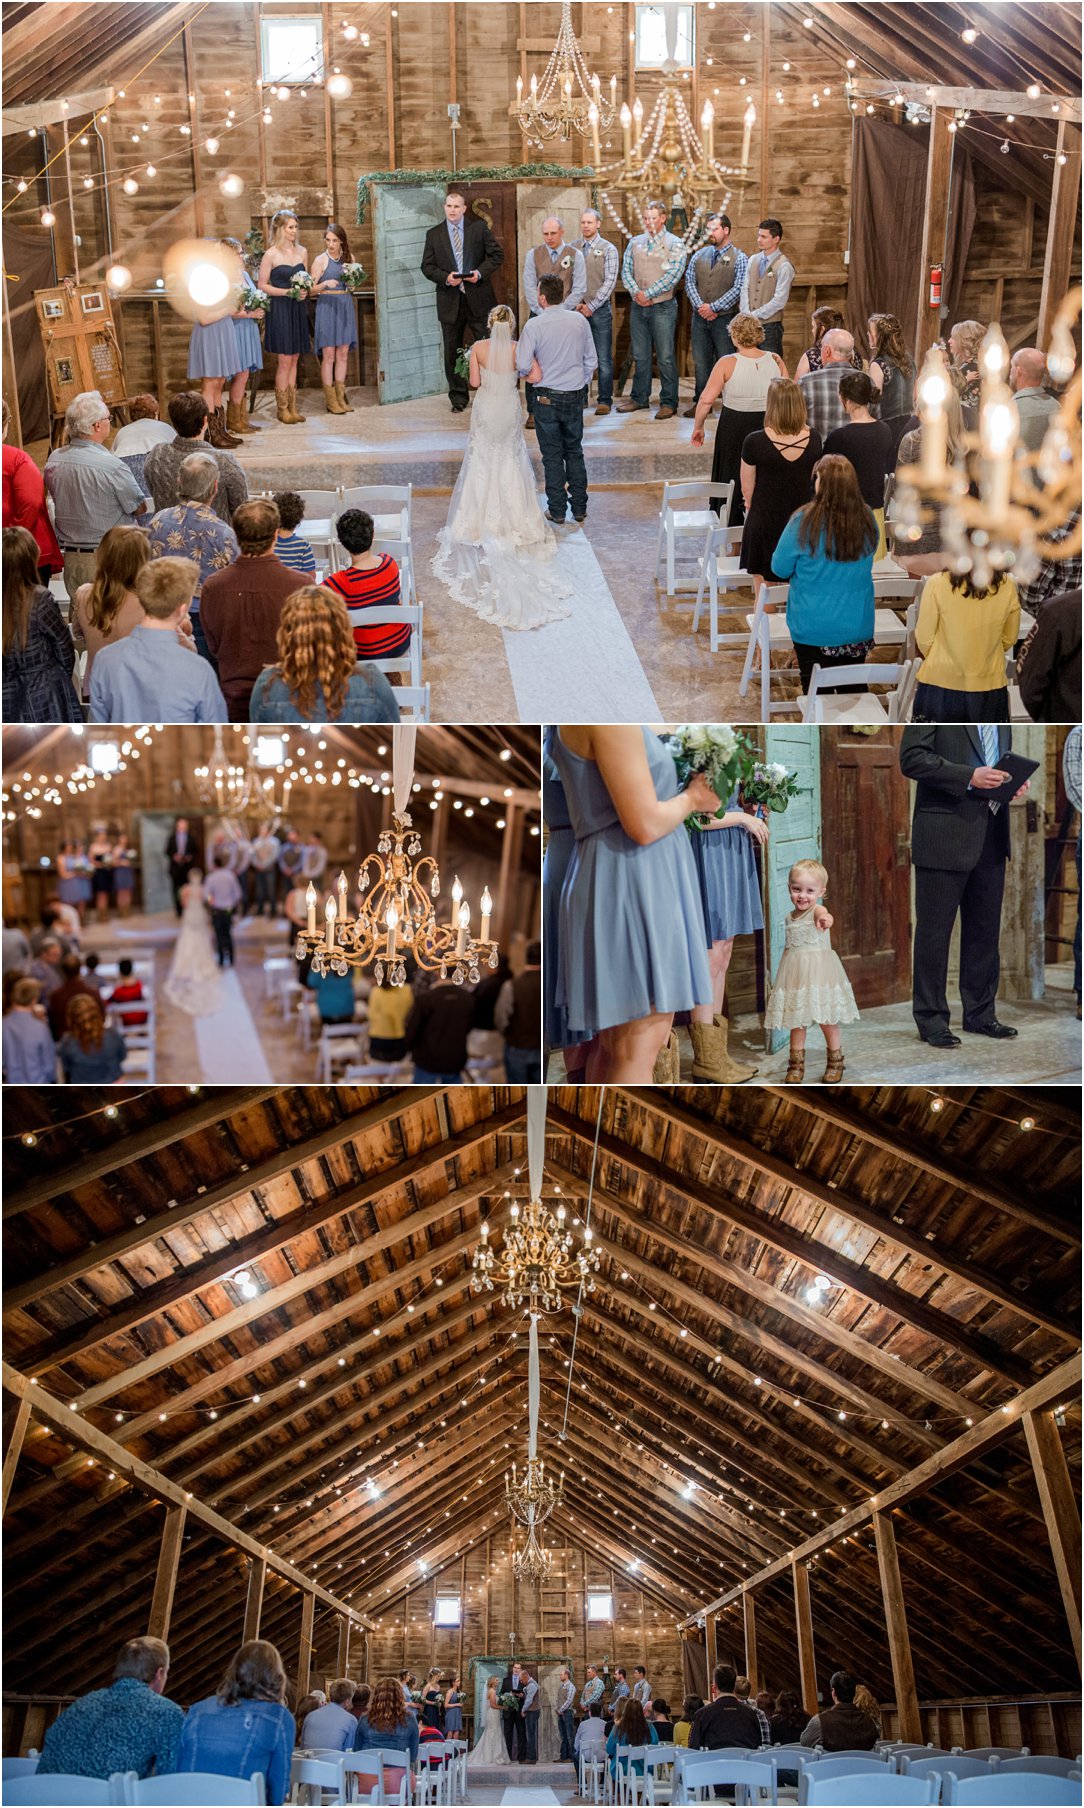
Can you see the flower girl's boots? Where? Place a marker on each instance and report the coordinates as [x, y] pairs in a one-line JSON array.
[[710, 1058]]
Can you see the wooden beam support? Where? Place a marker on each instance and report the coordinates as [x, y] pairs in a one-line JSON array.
[[13, 1447], [749, 1622], [899, 1643], [257, 1579], [980, 100], [165, 1582], [803, 1615], [1061, 228], [711, 1646], [1055, 1487], [342, 1653], [304, 1656], [934, 227]]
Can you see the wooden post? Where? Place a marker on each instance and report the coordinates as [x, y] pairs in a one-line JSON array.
[[257, 1577], [485, 1641], [193, 121], [160, 382], [711, 1646], [365, 1675], [1059, 1510], [749, 1615], [765, 87], [804, 1617], [22, 1416], [342, 1655], [165, 1582], [511, 848], [1064, 202], [934, 227], [329, 124], [899, 1644], [389, 88], [304, 1656]]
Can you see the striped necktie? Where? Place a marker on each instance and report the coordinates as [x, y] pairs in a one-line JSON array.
[[716, 254], [988, 737], [457, 243]]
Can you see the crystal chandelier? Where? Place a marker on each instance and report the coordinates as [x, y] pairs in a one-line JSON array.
[[536, 1260], [567, 96], [244, 794], [532, 1563], [1006, 527], [529, 1495]]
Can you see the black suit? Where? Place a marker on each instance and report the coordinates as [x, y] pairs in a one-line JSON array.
[[515, 1737], [959, 847], [180, 864], [461, 307]]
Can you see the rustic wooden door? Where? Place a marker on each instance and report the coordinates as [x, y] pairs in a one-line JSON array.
[[867, 840], [795, 835], [495, 203], [534, 201], [410, 358]]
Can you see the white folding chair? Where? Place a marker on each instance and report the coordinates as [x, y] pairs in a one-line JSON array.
[[993, 1751], [1046, 1767], [312, 1776], [768, 633], [19, 1767], [399, 615], [364, 1780], [823, 703], [659, 1773], [1019, 1790], [742, 1771], [340, 1044], [936, 1764], [391, 506], [431, 1778], [378, 1070], [685, 515], [591, 1777], [194, 1789], [721, 570], [63, 1791], [686, 1761], [276, 969], [318, 524], [413, 701], [862, 1790]]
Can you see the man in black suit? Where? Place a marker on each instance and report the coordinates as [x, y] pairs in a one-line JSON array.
[[182, 856], [459, 258], [959, 847], [514, 1682]]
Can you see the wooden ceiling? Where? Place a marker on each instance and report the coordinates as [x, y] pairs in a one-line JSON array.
[[717, 1411]]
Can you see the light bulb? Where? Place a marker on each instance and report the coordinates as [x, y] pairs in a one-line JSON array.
[[994, 356], [463, 918], [457, 890], [207, 285], [391, 917], [48, 219], [130, 186], [231, 185], [210, 145], [340, 87], [119, 277]]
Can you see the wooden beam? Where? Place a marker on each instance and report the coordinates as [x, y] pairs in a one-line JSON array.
[[934, 228], [1055, 1487], [257, 1578], [980, 100], [165, 1582], [13, 1447], [899, 1644], [711, 1646], [304, 1656], [342, 1652], [804, 1618], [749, 1622], [1061, 228]]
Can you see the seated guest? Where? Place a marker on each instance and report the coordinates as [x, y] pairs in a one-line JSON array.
[[332, 1727], [128, 990], [790, 1719], [518, 1016], [1035, 406], [45, 967], [633, 1728], [360, 1700], [317, 677], [869, 446], [743, 1689], [826, 552], [71, 986], [867, 1703], [307, 1705], [143, 430], [440, 1021], [389, 1009], [16, 947], [192, 530], [188, 413], [842, 1727], [107, 609], [91, 490], [1048, 663], [155, 675], [765, 1703], [964, 634], [823, 320], [29, 1049], [1055, 575], [39, 657], [90, 1053], [661, 1721], [821, 387], [25, 504], [130, 1726], [334, 995], [726, 1721], [370, 581], [690, 1708], [387, 1724], [245, 1727], [289, 545], [240, 608], [590, 1742]]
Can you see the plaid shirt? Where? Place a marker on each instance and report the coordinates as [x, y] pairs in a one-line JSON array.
[[1055, 575], [1070, 767], [672, 271], [822, 400]]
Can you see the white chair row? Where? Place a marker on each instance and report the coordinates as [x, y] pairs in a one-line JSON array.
[[768, 633], [391, 506], [686, 516], [184, 1789], [826, 701]]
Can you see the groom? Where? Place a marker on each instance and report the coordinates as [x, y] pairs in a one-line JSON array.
[[460, 257], [514, 1683], [559, 341]]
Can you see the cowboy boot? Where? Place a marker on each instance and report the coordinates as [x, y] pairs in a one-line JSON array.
[[235, 418], [833, 1071], [667, 1068], [246, 410], [737, 1071], [282, 406], [331, 399], [216, 432], [795, 1073], [295, 419], [340, 391]]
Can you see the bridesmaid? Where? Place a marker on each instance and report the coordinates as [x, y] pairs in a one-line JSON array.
[[288, 321], [453, 1711], [246, 330], [72, 887], [730, 892], [336, 319], [212, 358], [560, 844], [631, 935], [100, 855], [123, 884]]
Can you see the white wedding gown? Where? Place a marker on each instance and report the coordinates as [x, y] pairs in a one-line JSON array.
[[496, 552], [195, 982], [491, 1748]]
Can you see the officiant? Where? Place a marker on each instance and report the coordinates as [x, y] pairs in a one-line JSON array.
[[459, 258]]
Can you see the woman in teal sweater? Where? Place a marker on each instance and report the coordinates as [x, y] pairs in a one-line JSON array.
[[635, 1729], [826, 552]]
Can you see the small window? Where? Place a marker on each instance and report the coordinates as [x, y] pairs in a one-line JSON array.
[[600, 1607], [292, 51], [652, 49], [448, 1610]]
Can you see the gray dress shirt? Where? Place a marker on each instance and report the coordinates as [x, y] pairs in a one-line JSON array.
[[92, 491], [561, 341]]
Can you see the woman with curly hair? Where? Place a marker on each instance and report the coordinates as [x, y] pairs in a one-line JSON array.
[[245, 1726], [90, 1053], [892, 372], [964, 344], [107, 609], [388, 1725], [318, 678]]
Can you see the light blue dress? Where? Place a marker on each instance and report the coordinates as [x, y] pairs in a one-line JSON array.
[[560, 845], [212, 350], [631, 937], [726, 869], [247, 335], [336, 315]]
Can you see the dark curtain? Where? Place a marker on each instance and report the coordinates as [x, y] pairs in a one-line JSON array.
[[694, 1664], [888, 199], [28, 254]]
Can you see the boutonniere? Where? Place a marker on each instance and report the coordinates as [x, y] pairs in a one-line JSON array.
[[566, 262]]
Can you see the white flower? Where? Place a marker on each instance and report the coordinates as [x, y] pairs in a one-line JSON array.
[[566, 262], [777, 770], [723, 739], [696, 737]]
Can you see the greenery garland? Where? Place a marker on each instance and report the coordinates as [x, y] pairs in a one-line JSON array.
[[534, 1657], [475, 172]]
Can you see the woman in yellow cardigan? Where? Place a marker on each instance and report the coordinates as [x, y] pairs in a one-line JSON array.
[[964, 634]]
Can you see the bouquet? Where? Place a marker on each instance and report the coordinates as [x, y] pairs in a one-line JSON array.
[[770, 787], [301, 286], [716, 750], [254, 301], [462, 361], [354, 277], [509, 1703]]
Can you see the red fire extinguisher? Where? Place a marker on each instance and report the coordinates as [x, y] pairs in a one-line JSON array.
[[935, 285]]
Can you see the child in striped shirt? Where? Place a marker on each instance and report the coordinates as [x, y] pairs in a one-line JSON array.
[[290, 548]]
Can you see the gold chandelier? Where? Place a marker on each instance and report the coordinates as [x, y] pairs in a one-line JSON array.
[[1007, 527], [241, 793], [567, 96], [536, 1260], [530, 1495], [532, 1563], [665, 159]]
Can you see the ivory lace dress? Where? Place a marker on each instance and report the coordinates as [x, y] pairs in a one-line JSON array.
[[810, 984]]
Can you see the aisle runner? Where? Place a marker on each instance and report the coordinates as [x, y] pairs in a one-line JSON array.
[[584, 669], [228, 1044]]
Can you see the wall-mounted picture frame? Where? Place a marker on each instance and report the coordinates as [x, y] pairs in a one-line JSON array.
[[65, 371], [94, 303], [53, 310]]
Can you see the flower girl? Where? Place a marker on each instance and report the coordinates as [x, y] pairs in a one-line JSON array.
[[810, 984]]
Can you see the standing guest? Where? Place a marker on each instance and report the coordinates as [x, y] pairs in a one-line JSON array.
[[336, 319], [123, 882], [16, 949], [1035, 406], [555, 258], [1056, 575], [593, 1690], [532, 1707], [892, 373], [71, 986], [726, 871], [867, 443], [964, 344], [130, 1726], [335, 1000], [24, 503], [743, 1689], [91, 489], [821, 387], [240, 607], [39, 658], [726, 1721], [601, 262], [742, 379], [45, 967], [245, 1728], [459, 258], [213, 362], [290, 548], [291, 858], [651, 271], [923, 555], [557, 345], [566, 1713], [108, 608], [713, 280], [287, 333], [192, 530], [842, 1727], [823, 320], [266, 848], [389, 1009], [388, 1724], [453, 1711], [1048, 663], [222, 892], [1070, 773], [332, 1726], [141, 432], [153, 676], [188, 414], [370, 581], [246, 331], [182, 855], [559, 849], [790, 1719], [767, 284], [620, 1690], [441, 1019], [73, 884], [313, 857], [518, 1016], [777, 466], [100, 855], [90, 1053], [690, 1708], [641, 1688], [826, 553], [29, 1049], [963, 634]]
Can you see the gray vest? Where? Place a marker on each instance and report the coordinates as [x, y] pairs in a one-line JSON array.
[[649, 263], [594, 260], [761, 288], [710, 284]]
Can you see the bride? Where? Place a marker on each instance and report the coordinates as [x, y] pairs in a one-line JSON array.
[[491, 1748], [496, 551], [194, 983]]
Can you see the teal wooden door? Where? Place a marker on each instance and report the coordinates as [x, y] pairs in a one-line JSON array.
[[796, 835], [410, 359]]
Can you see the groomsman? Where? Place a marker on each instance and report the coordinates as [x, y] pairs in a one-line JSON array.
[[641, 1688], [651, 270], [602, 263], [566, 1718], [532, 1707], [593, 1689], [459, 258], [553, 257], [767, 283], [713, 283], [620, 1689]]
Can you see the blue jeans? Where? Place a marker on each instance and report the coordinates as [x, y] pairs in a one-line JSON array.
[[654, 327], [711, 341], [530, 1728], [602, 332], [773, 336], [1076, 932], [567, 1724], [200, 639], [558, 420], [523, 1067], [422, 1076]]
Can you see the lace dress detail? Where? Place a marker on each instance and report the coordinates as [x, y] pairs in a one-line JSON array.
[[810, 985], [195, 982], [490, 1748]]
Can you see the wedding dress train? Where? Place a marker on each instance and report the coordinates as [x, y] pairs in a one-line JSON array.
[[496, 551], [195, 982]]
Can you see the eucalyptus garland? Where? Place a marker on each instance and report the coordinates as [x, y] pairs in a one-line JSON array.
[[474, 172], [533, 1657]]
